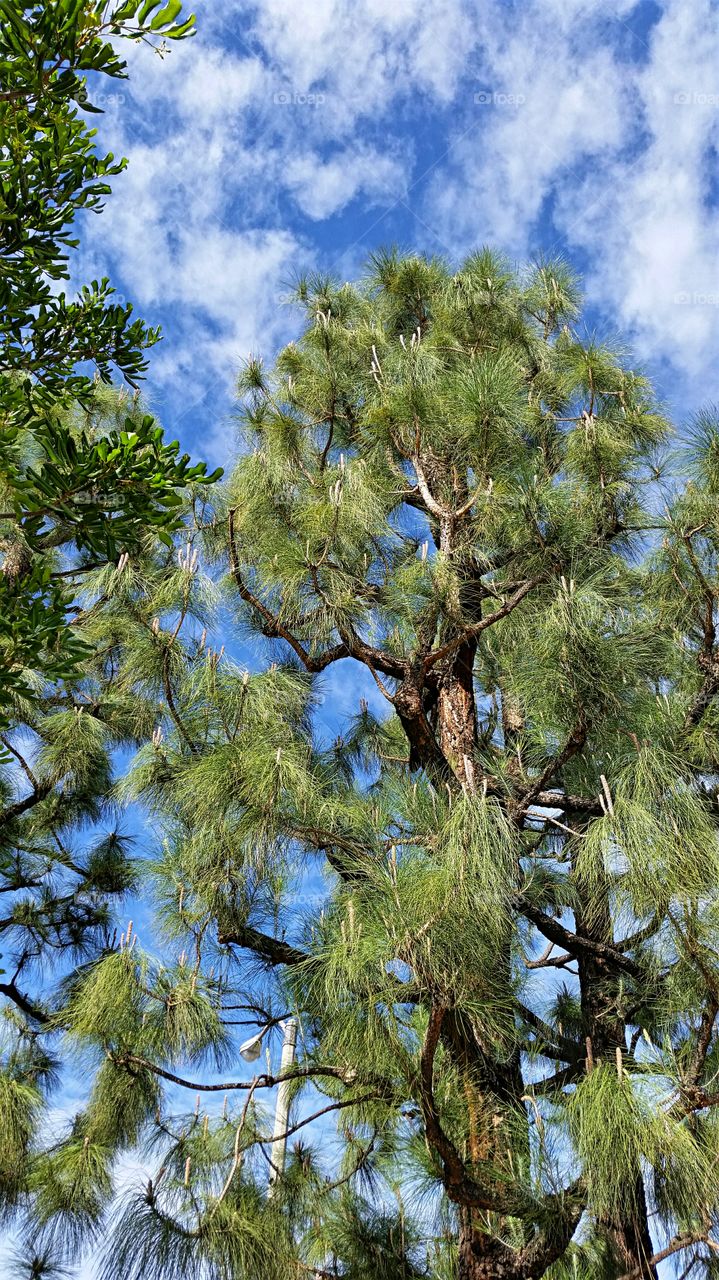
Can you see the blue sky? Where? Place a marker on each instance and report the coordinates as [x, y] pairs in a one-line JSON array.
[[287, 136], [291, 135]]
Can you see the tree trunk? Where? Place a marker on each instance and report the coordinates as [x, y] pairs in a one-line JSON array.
[[492, 1088], [456, 715], [628, 1233], [480, 1257]]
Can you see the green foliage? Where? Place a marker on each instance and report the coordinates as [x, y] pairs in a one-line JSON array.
[[61, 483], [123, 1100], [621, 1126], [35, 1264], [72, 1184], [487, 897], [19, 1105]]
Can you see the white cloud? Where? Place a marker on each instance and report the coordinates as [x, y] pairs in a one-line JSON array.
[[621, 149], [543, 106], [225, 290], [652, 240], [234, 167], [322, 187], [366, 55]]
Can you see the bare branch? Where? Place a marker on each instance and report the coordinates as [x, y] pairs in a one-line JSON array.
[[9, 990], [574, 943], [273, 950], [674, 1246]]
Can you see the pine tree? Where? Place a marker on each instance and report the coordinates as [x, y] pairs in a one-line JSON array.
[[507, 1000]]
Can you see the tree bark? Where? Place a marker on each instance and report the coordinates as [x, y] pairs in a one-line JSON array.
[[491, 1087], [476, 1258], [628, 1233], [456, 715], [481, 1257]]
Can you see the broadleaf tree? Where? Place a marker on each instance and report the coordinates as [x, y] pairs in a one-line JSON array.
[[62, 486], [490, 902]]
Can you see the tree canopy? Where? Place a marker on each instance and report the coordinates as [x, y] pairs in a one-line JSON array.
[[490, 902], [68, 487]]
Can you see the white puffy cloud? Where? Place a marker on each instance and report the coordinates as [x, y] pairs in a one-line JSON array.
[[653, 239], [610, 156], [367, 55], [555, 123], [323, 186]]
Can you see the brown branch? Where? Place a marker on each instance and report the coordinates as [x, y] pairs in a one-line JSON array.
[[560, 1079], [274, 950], [573, 942], [704, 1039], [237, 1156], [425, 751], [559, 1046], [708, 658], [429, 500], [674, 1246], [534, 1259], [459, 1187], [167, 686], [550, 962], [260, 1082], [31, 1010], [333, 1106], [641, 935], [694, 1099], [569, 803], [21, 761], [375, 659], [351, 645], [575, 742], [16, 810], [467, 506], [274, 627], [710, 687], [477, 627]]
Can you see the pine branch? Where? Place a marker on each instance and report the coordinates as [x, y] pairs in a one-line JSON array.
[[273, 950], [274, 627], [430, 502], [11, 992], [705, 697], [265, 1081], [558, 1046], [172, 708], [477, 627], [574, 744], [708, 658], [704, 1040], [574, 943], [569, 803], [549, 962], [459, 1187], [373, 658], [40, 793], [564, 801], [641, 935], [675, 1246], [564, 1209]]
